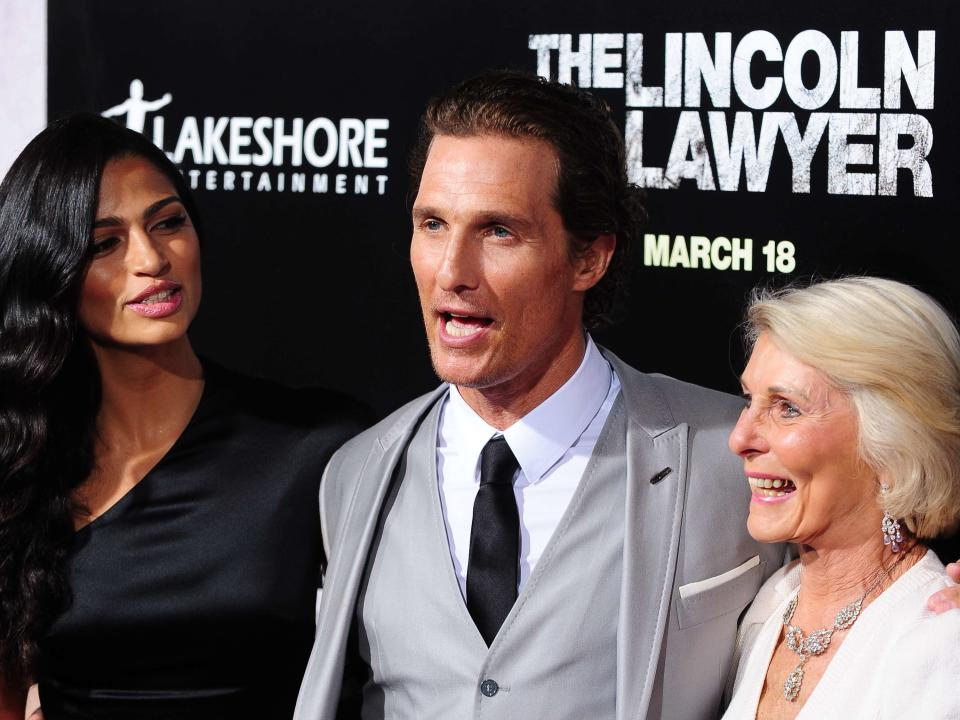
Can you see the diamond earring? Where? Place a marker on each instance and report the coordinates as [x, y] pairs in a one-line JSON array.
[[889, 525]]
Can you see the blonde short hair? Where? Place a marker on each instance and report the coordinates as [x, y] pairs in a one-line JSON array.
[[895, 352]]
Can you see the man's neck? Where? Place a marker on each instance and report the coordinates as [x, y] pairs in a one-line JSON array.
[[503, 404]]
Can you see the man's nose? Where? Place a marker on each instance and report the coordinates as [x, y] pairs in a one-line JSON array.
[[460, 265], [146, 256]]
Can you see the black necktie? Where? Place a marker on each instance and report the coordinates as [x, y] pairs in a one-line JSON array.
[[494, 566]]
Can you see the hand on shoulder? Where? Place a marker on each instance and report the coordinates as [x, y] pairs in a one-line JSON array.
[[948, 598]]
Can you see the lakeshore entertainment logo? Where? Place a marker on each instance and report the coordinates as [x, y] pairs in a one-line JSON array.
[[265, 154], [878, 141]]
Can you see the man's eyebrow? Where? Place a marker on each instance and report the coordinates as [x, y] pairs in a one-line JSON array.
[[113, 221], [483, 218], [419, 213], [494, 217]]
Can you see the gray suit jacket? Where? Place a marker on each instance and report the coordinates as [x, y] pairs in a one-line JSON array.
[[689, 567]]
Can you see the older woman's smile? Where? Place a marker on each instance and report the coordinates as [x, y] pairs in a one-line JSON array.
[[769, 488], [797, 436], [850, 442]]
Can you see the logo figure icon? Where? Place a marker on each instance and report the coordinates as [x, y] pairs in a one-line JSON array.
[[136, 108]]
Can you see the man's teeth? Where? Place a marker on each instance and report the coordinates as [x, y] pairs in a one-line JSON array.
[[771, 487], [457, 328], [157, 297]]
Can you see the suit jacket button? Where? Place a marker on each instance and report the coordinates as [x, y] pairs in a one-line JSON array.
[[489, 688]]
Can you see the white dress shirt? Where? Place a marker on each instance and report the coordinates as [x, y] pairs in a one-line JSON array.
[[552, 444]]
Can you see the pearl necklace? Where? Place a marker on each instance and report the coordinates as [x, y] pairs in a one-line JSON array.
[[817, 642]]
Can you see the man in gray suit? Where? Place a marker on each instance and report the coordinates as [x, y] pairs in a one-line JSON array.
[[550, 533]]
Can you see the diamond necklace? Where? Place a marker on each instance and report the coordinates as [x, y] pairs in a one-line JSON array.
[[817, 642]]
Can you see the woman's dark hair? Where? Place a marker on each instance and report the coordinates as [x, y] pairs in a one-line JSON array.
[[593, 195], [49, 381]]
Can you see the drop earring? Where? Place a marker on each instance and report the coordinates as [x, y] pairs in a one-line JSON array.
[[889, 525]]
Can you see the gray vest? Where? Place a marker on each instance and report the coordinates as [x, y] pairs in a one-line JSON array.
[[556, 654]]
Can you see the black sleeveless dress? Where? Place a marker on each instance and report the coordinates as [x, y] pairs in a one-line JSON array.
[[194, 596]]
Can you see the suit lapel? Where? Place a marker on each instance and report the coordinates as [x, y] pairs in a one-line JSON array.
[[352, 542], [359, 522], [651, 536]]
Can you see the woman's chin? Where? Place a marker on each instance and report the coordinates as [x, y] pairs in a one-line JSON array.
[[766, 529], [159, 337]]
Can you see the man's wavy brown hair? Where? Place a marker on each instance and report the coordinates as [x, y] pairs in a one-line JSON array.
[[593, 195]]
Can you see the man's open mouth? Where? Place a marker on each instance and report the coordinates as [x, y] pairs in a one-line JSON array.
[[457, 325]]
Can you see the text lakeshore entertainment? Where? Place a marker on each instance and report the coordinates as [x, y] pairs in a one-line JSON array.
[[266, 154], [319, 155]]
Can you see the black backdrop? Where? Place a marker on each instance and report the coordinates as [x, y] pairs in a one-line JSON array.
[[315, 288]]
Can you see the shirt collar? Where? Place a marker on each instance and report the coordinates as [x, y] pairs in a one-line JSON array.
[[541, 437]]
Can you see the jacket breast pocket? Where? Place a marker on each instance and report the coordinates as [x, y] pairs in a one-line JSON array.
[[731, 591]]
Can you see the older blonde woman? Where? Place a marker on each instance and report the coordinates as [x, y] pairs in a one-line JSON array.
[[851, 444]]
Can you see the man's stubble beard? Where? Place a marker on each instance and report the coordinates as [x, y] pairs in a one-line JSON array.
[[483, 380]]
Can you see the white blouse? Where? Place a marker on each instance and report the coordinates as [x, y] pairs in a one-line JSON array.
[[898, 661]]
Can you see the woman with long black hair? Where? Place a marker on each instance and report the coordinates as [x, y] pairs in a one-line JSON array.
[[159, 541]]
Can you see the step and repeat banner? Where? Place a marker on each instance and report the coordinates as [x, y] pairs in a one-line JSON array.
[[776, 141]]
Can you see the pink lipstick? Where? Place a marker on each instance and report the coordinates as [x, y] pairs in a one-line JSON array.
[[160, 300]]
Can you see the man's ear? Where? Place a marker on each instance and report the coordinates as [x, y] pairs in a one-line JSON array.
[[591, 264]]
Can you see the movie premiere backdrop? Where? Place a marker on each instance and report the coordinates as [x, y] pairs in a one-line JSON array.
[[776, 141]]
